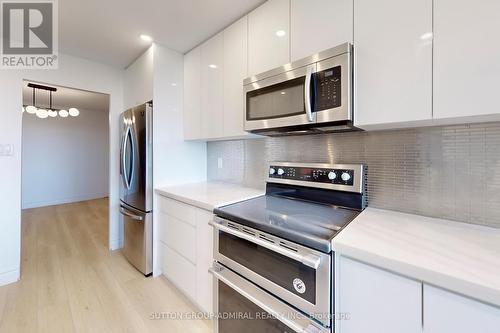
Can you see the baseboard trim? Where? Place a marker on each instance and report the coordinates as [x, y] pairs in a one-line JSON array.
[[28, 205], [9, 277], [115, 244]]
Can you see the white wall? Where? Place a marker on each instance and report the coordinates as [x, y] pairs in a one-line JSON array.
[[73, 72], [65, 159]]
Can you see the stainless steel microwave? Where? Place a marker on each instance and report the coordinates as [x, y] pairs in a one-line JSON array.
[[310, 95]]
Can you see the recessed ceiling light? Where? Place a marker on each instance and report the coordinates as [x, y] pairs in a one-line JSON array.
[[174, 84], [212, 66], [427, 35], [280, 33], [146, 38]]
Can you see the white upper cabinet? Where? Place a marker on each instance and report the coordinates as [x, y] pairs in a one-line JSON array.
[[235, 71], [378, 301], [317, 25], [393, 62], [192, 94], [269, 36], [212, 87], [448, 312], [466, 58]]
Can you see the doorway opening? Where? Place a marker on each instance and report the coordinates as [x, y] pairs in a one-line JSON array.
[[65, 166]]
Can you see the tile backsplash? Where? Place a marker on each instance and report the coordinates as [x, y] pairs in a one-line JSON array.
[[449, 172]]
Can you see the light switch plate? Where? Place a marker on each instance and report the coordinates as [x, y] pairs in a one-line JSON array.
[[6, 149]]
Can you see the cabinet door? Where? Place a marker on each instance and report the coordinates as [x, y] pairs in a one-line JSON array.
[[393, 62], [317, 25], [192, 94], [235, 71], [377, 301], [204, 260], [466, 58], [448, 312], [212, 87], [269, 36]]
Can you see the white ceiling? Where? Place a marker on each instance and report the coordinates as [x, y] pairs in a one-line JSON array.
[[108, 31], [64, 98]]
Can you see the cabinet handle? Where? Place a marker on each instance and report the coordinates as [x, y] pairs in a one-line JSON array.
[[309, 260]]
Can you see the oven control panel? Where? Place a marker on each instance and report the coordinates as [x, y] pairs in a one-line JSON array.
[[318, 175]]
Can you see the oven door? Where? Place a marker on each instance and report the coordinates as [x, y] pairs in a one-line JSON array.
[[243, 307], [296, 274], [281, 100]]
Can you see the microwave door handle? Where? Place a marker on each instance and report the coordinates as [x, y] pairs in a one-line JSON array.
[[307, 93], [309, 260]]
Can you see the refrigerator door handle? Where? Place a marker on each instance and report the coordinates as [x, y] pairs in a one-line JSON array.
[[132, 152], [124, 162], [123, 211]]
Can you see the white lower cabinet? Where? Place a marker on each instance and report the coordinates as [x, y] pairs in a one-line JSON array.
[[186, 250], [179, 271], [445, 312], [204, 260], [376, 300]]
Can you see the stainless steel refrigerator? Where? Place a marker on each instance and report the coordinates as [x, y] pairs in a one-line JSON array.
[[136, 185]]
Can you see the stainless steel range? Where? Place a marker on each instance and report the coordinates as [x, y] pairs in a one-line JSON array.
[[274, 262]]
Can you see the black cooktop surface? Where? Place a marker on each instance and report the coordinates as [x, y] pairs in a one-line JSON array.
[[306, 223]]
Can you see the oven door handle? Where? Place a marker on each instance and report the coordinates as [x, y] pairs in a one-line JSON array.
[[268, 303], [310, 260]]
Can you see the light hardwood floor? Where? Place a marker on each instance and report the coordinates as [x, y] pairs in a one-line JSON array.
[[71, 282]]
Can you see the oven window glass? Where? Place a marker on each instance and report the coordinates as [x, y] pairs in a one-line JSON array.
[[285, 272], [280, 100], [252, 318]]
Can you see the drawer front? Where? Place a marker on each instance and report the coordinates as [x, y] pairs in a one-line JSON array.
[[179, 271], [178, 210], [179, 236]]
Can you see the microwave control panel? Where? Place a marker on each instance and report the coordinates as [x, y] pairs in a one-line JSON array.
[[328, 89], [317, 175]]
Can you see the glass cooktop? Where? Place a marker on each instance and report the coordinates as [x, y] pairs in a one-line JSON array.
[[303, 222]]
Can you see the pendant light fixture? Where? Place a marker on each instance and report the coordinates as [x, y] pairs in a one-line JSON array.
[[43, 113], [31, 109]]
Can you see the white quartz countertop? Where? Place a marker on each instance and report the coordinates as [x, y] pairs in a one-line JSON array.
[[456, 256], [209, 195]]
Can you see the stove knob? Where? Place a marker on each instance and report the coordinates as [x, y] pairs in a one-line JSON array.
[[332, 175], [346, 177], [281, 171], [272, 171]]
